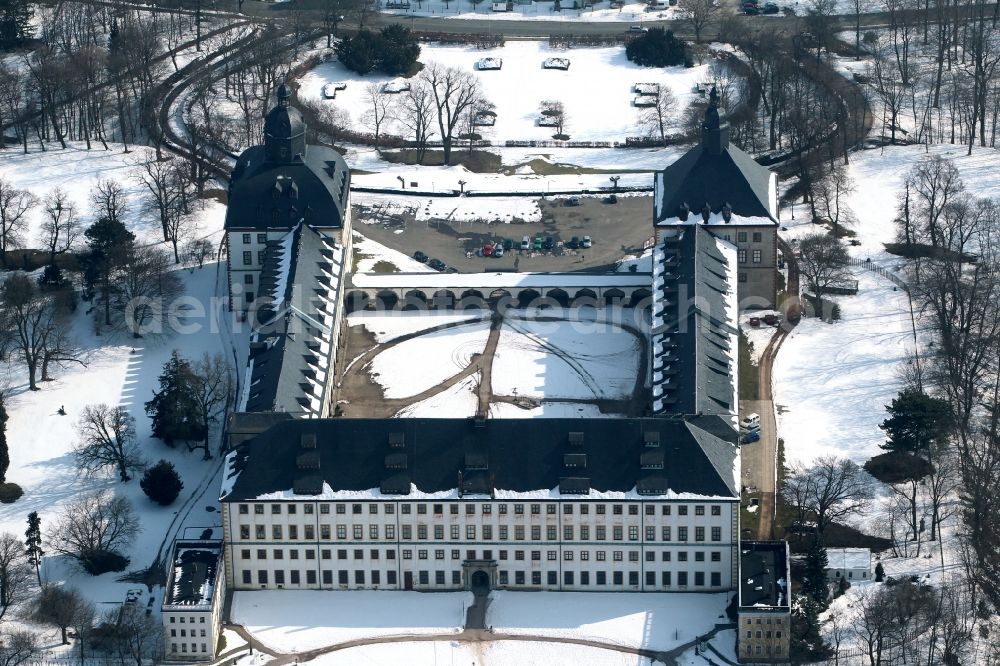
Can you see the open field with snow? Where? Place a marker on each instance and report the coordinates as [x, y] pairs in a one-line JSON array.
[[654, 621], [301, 620], [487, 653], [76, 170], [596, 90]]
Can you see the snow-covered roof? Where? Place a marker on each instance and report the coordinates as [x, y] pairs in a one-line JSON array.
[[291, 351], [849, 558], [193, 575], [451, 457], [695, 335], [437, 281]]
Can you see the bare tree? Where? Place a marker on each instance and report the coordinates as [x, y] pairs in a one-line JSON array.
[[655, 119], [60, 225], [15, 573], [58, 606], [14, 207], [94, 526], [698, 14], [17, 647], [831, 192], [417, 115], [823, 262], [138, 636], [29, 320], [109, 200], [454, 90], [378, 104], [107, 439], [555, 112], [199, 250], [147, 287], [158, 177], [212, 387], [836, 488]]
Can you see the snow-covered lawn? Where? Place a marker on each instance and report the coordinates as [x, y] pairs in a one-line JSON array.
[[492, 653], [387, 326], [540, 359], [653, 621], [76, 170], [370, 253], [549, 410], [758, 337], [301, 620], [119, 371], [420, 363], [833, 381], [596, 91], [454, 402]]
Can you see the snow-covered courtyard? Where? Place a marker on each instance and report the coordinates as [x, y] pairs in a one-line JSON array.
[[302, 620]]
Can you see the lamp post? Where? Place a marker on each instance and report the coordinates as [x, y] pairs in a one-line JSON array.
[[461, 185], [614, 182]]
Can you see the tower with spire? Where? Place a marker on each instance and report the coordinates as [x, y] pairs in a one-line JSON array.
[[718, 186]]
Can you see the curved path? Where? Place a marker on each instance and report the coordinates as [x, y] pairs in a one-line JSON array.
[[668, 657]]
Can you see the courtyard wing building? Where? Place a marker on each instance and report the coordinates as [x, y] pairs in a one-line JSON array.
[[276, 187], [431, 504], [718, 187]]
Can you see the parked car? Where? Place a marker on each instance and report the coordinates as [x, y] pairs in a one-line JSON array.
[[573, 201], [420, 256], [526, 243], [772, 319], [770, 8], [436, 264], [750, 437], [754, 322], [508, 244], [586, 242], [451, 269], [538, 242], [611, 199], [573, 243], [638, 28], [488, 249], [549, 243], [751, 10], [751, 422], [498, 250]]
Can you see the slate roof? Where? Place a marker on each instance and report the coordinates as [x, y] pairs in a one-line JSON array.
[[716, 173], [764, 575], [192, 580], [694, 329], [265, 194], [520, 456], [290, 351]]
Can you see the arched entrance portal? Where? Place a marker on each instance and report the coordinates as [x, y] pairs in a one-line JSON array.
[[480, 582]]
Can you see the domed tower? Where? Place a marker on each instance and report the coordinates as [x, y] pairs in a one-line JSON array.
[[284, 131]]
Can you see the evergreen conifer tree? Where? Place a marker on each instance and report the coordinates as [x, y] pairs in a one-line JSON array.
[[108, 242], [161, 483], [815, 585], [15, 23], [173, 408], [879, 573], [33, 544]]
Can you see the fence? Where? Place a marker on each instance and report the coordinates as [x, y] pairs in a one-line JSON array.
[[889, 275]]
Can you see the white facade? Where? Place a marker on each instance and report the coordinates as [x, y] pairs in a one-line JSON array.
[[573, 545], [191, 626], [850, 563]]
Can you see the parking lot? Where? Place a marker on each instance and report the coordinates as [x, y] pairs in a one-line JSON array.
[[616, 230]]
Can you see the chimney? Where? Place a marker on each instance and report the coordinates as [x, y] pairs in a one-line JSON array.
[[706, 212], [727, 212], [682, 212]]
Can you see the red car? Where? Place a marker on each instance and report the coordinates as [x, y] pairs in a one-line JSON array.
[[488, 250], [771, 319]]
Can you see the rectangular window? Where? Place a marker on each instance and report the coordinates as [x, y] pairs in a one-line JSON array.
[[756, 237], [246, 239], [633, 533], [741, 237], [487, 509], [341, 531], [650, 578], [742, 256], [470, 532], [600, 510], [567, 577], [390, 531], [699, 556], [584, 533], [716, 510], [439, 578], [617, 577], [324, 532], [699, 534], [716, 556], [553, 578], [359, 532], [741, 277], [439, 554], [518, 509], [699, 510], [246, 581], [616, 532], [519, 532], [650, 534], [295, 576], [259, 529], [519, 578], [665, 578], [248, 258], [487, 532], [260, 256], [602, 578], [536, 509], [455, 533], [716, 579], [407, 532], [682, 534], [716, 534], [699, 579], [439, 532], [550, 533], [682, 578], [568, 533], [390, 577], [756, 256], [293, 532], [244, 531], [327, 577], [536, 532], [372, 532]]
